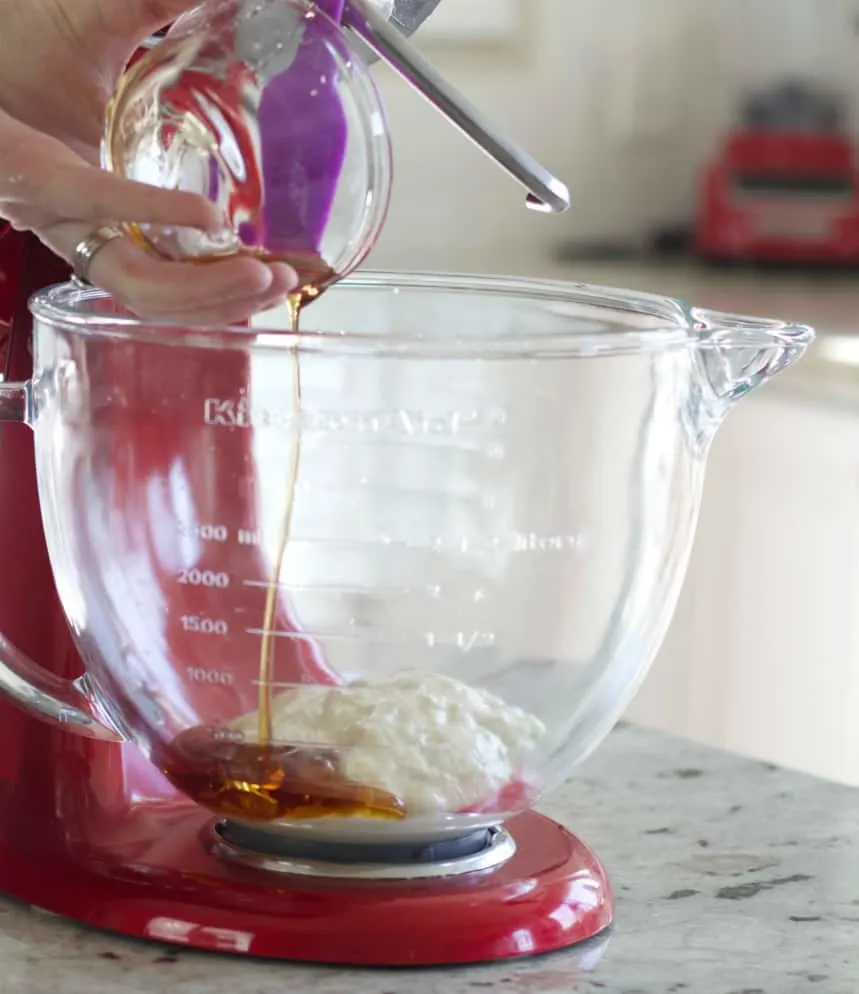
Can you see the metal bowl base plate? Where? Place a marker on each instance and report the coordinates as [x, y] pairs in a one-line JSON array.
[[477, 852]]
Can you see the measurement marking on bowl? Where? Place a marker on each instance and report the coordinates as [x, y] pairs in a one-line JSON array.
[[375, 592], [199, 674], [205, 532], [448, 446], [329, 545], [513, 542], [204, 578], [451, 492], [201, 625], [464, 641]]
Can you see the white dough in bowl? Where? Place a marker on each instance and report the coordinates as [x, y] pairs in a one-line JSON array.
[[432, 741]]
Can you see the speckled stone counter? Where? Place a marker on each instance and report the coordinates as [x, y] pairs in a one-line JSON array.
[[732, 878]]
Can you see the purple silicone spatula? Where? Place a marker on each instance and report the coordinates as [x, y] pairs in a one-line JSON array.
[[304, 125]]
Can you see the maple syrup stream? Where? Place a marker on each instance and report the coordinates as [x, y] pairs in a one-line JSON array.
[[264, 726], [264, 781]]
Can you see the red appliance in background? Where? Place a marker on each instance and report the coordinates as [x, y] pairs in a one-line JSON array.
[[785, 187]]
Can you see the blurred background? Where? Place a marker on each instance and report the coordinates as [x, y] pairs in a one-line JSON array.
[[710, 149]]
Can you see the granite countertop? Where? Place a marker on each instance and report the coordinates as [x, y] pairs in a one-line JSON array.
[[732, 877]]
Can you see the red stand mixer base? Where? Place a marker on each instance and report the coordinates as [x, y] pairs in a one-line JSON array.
[[553, 894]]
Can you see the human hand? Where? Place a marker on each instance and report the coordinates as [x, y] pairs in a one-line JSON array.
[[59, 63]]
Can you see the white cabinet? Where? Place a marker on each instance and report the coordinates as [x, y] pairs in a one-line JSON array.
[[763, 656]]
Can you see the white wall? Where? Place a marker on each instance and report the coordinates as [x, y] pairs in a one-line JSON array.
[[623, 99]]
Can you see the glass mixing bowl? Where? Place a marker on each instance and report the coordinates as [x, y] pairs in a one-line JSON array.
[[406, 599]]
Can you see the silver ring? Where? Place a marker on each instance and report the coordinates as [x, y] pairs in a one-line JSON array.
[[87, 250]]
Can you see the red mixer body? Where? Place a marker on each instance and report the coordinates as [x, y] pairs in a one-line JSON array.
[[91, 831]]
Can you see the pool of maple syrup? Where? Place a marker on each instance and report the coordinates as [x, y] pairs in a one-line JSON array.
[[264, 781]]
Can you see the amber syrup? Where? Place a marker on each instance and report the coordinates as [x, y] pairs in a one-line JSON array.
[[265, 781]]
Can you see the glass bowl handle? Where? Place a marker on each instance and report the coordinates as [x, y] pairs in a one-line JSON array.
[[65, 704]]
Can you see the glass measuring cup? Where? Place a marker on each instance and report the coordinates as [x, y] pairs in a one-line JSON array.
[[496, 498], [269, 110]]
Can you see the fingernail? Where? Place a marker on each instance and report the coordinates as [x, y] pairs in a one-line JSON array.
[[215, 218], [206, 215], [258, 280], [217, 223], [284, 277]]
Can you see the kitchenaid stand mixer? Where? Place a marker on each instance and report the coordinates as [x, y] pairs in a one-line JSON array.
[[480, 525]]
